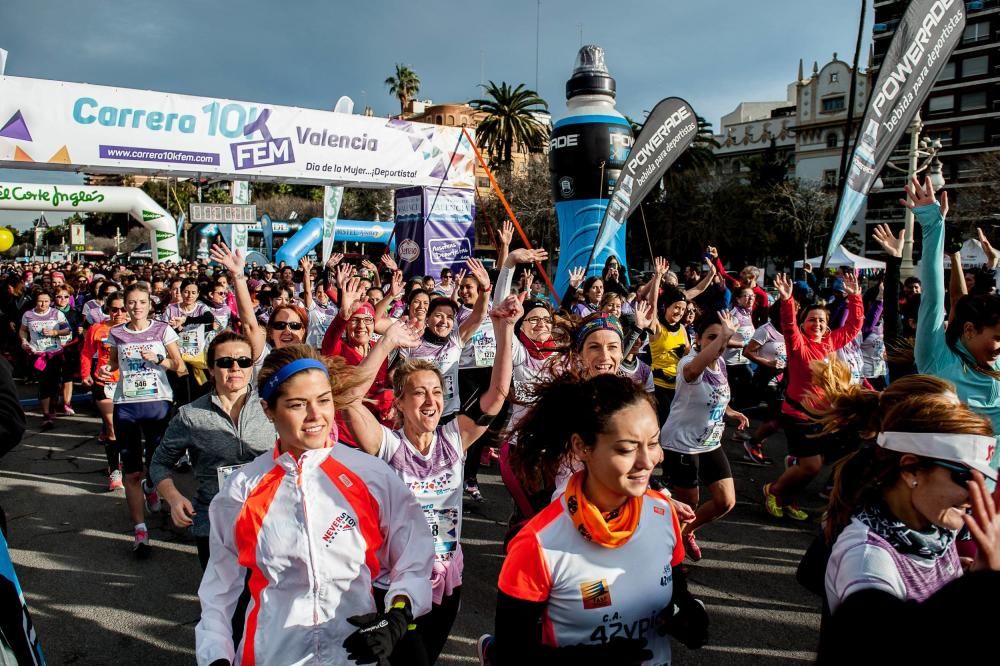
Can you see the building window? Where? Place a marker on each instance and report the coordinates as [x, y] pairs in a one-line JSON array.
[[830, 178], [947, 72], [941, 103], [977, 32], [832, 104], [439, 119], [451, 119], [834, 77], [976, 66], [942, 135], [483, 182], [974, 100], [971, 134], [832, 140], [737, 166]]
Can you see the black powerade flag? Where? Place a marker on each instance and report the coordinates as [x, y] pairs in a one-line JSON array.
[[669, 130], [925, 37]]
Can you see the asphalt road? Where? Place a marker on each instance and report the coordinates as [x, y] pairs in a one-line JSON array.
[[93, 603]]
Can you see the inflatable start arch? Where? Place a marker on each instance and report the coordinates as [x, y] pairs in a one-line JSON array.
[[79, 198]]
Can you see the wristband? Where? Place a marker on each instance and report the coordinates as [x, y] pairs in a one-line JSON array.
[[401, 605]]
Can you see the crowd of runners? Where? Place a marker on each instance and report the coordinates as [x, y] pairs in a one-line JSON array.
[[335, 417]]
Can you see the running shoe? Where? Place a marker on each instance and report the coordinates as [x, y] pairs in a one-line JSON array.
[[742, 436], [754, 453], [49, 422], [115, 480], [68, 411], [153, 504], [472, 490], [771, 503], [795, 513], [184, 464], [691, 546], [484, 646], [141, 546]]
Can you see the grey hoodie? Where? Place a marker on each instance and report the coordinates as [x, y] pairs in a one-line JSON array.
[[212, 440]]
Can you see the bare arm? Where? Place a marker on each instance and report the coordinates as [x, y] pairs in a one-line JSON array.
[[660, 268], [702, 285], [710, 352], [235, 263], [468, 327], [506, 236], [307, 283], [956, 284]]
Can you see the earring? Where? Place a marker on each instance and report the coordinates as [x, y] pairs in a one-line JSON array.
[[913, 485]]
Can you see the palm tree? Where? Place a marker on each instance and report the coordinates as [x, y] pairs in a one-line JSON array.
[[509, 119], [405, 85]]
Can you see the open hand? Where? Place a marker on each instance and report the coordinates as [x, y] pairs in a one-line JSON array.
[[891, 244], [992, 256], [525, 256], [643, 315], [576, 276], [231, 259], [923, 195], [509, 310], [479, 272], [389, 262], [984, 523], [506, 233], [784, 286], [851, 286]]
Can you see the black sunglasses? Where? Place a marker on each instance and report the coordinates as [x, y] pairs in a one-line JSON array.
[[960, 474], [226, 362], [282, 325]]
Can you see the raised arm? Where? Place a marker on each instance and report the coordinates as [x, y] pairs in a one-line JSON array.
[[506, 236], [702, 285], [729, 279], [234, 262], [893, 246], [364, 426], [506, 277], [930, 316], [660, 268], [789, 327], [855, 318], [504, 315], [307, 283], [472, 323], [710, 352]]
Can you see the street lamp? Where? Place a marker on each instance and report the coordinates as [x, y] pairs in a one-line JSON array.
[[922, 156]]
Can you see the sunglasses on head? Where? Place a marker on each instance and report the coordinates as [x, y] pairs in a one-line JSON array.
[[226, 362], [282, 325]]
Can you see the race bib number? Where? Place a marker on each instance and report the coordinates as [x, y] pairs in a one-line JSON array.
[[192, 342], [143, 384], [109, 391], [449, 387], [485, 348], [44, 343], [444, 529], [225, 472]]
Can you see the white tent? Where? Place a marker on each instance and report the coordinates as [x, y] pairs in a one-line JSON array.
[[844, 258]]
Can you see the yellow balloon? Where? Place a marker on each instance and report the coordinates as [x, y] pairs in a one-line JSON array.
[[6, 239]]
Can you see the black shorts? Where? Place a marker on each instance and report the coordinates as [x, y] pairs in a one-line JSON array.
[[139, 428], [684, 470], [97, 393], [802, 437]]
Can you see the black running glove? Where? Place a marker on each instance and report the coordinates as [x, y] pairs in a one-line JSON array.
[[376, 636], [686, 620], [619, 651]]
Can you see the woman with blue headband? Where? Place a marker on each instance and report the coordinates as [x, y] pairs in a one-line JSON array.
[[315, 525]]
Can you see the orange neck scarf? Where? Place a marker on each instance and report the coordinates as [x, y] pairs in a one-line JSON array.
[[592, 525]]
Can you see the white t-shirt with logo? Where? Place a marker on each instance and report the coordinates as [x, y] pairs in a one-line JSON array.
[[851, 355], [435, 479], [481, 349], [37, 323], [745, 330], [695, 424], [772, 345], [142, 380]]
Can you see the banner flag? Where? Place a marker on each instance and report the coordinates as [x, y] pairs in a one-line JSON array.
[[238, 235], [669, 130], [3, 61], [267, 229], [333, 196], [925, 37]]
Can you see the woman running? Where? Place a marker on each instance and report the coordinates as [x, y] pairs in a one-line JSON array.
[[692, 436], [564, 595], [221, 431], [895, 510], [144, 350], [767, 349], [63, 295], [313, 526], [44, 330], [669, 342], [429, 456], [191, 319], [966, 351], [94, 357], [805, 342]]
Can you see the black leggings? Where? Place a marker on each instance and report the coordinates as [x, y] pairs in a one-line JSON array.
[[50, 379]]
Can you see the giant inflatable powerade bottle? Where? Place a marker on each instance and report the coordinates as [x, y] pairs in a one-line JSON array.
[[587, 151]]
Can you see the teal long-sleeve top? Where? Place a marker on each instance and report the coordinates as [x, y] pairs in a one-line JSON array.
[[933, 355]]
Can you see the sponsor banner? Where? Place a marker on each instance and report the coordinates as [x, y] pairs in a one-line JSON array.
[[924, 39], [333, 196], [669, 130], [435, 229], [77, 237], [238, 236], [267, 226], [74, 126]]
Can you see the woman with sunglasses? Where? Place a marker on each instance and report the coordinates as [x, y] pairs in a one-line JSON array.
[[286, 324], [94, 356], [221, 431], [216, 300], [191, 318], [896, 507]]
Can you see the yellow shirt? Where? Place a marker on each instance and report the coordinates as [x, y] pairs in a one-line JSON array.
[[663, 348]]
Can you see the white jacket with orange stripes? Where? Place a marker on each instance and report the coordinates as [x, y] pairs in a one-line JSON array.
[[313, 534]]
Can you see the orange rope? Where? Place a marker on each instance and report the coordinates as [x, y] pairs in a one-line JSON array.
[[510, 213]]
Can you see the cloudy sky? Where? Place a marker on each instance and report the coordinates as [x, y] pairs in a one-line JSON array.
[[714, 53]]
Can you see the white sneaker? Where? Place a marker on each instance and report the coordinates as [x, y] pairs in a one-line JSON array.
[[115, 480], [153, 504]]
